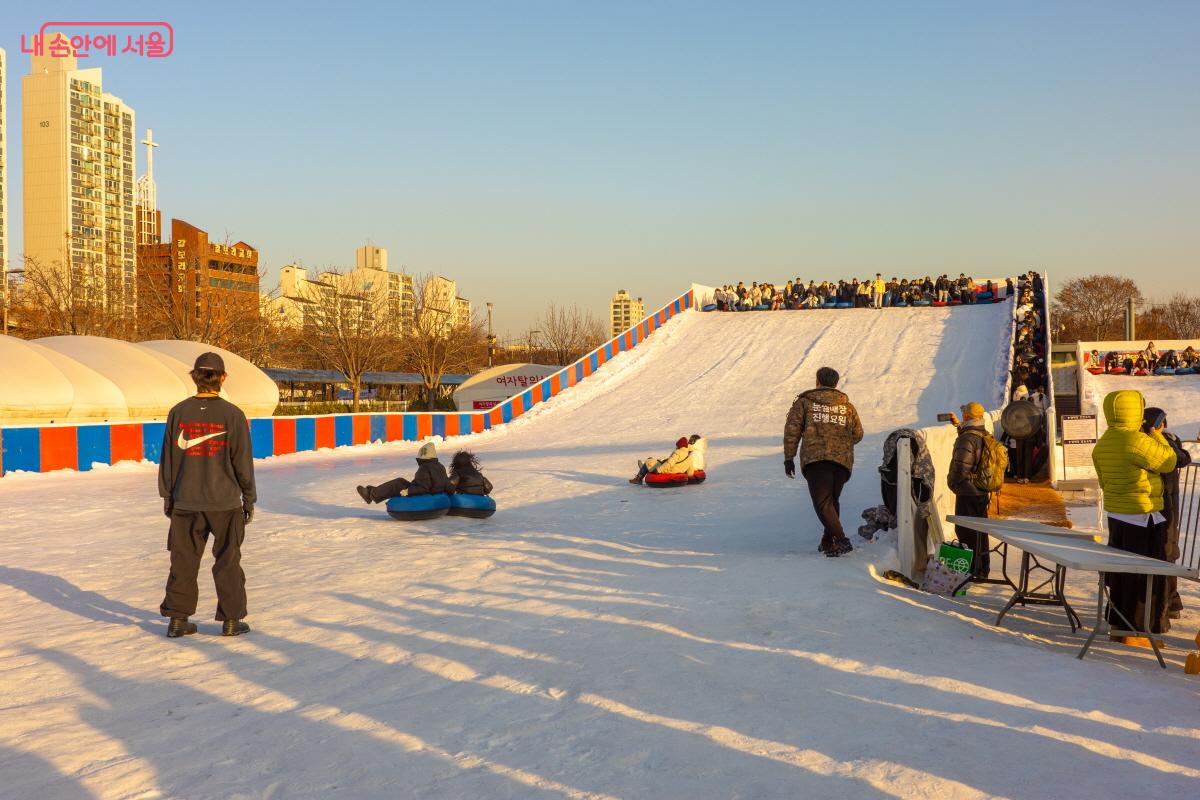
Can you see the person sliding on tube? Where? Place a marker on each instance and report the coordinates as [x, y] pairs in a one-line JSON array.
[[824, 425], [431, 478], [677, 463], [465, 477]]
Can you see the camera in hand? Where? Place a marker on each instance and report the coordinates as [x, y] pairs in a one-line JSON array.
[[946, 417]]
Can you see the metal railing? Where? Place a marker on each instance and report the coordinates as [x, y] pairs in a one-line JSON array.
[[1189, 519]]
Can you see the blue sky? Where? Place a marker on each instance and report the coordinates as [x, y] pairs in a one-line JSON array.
[[555, 151]]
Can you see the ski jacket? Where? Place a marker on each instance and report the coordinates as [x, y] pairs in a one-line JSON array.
[[1130, 464], [677, 463], [968, 449], [699, 450], [824, 425], [430, 478], [880, 286], [469, 483], [206, 462]]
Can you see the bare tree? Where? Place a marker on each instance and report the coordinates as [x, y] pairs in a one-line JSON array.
[[1093, 307], [53, 300], [439, 341], [1178, 318], [569, 332], [344, 331]]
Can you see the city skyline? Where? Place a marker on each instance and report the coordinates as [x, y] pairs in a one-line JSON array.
[[545, 154]]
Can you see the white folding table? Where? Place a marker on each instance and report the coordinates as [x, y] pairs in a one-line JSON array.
[[1077, 550]]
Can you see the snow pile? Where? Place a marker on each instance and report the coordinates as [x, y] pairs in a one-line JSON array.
[[592, 639], [1178, 396]]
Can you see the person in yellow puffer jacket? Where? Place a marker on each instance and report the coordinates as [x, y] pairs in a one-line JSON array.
[[1130, 459]]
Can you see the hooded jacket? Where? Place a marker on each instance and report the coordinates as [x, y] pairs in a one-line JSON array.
[[968, 449], [699, 450], [430, 478], [824, 425], [1130, 464], [677, 463]]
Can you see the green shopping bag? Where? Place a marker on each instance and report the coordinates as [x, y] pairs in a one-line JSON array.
[[957, 558]]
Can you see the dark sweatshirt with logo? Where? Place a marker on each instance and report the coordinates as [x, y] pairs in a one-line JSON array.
[[207, 463]]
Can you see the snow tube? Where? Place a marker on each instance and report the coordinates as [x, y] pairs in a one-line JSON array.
[[955, 303], [681, 479], [476, 506], [900, 305], [983, 295], [1096, 370], [762, 308], [938, 303], [920, 302], [709, 307], [1186, 371], [829, 305], [844, 305], [1117, 371], [423, 506], [1166, 371]]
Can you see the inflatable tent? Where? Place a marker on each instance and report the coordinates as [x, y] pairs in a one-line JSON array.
[[493, 386]]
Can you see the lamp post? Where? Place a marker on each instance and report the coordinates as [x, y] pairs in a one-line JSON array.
[[532, 334], [491, 338]]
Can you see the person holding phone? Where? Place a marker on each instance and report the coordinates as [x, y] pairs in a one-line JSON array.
[[1130, 460], [1157, 418]]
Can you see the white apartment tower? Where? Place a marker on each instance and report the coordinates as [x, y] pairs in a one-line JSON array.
[[78, 144], [626, 312], [4, 181]]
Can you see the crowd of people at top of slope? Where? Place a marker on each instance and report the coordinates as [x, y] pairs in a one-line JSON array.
[[1149, 361], [876, 293], [1030, 374]]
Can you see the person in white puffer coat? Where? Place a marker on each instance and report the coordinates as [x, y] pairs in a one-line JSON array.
[[698, 446]]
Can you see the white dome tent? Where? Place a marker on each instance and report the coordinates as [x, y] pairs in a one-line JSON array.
[[94, 379]]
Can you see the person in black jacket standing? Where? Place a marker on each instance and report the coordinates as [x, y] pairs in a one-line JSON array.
[[206, 480], [969, 501]]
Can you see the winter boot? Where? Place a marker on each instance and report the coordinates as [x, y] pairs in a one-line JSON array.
[[839, 548], [179, 626], [365, 493], [234, 627], [637, 480]]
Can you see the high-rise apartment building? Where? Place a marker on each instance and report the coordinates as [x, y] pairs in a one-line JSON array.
[[386, 297], [4, 267], [625, 312], [78, 147]]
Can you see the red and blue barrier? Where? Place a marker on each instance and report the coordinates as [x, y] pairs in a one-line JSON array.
[[80, 447]]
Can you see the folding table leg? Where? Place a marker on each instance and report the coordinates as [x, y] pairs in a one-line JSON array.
[[1100, 621], [1147, 615]]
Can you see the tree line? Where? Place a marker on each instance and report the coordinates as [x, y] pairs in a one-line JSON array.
[[348, 332], [1092, 308]]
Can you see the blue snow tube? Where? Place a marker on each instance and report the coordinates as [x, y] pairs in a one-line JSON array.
[[900, 305], [709, 307], [845, 305], [762, 308], [423, 506], [829, 305], [983, 296], [1186, 371], [920, 302], [1166, 371], [477, 506]]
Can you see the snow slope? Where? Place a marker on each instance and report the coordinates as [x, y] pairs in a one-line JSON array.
[[593, 639], [1178, 396]]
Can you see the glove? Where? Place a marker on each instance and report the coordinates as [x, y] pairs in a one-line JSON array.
[[248, 511], [168, 506], [789, 467]]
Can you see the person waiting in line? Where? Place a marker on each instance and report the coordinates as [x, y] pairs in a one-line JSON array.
[[1112, 361], [1130, 459], [1150, 355], [1170, 505], [969, 499], [465, 476], [679, 462], [430, 478], [1140, 367]]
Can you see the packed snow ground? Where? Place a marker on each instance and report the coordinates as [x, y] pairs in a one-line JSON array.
[[593, 639], [1178, 396]]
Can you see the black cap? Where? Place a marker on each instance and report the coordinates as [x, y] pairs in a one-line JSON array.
[[210, 361]]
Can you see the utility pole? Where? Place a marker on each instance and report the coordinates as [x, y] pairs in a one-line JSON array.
[[1130, 321], [491, 338], [532, 334]]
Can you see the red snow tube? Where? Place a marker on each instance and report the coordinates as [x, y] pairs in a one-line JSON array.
[[679, 479], [955, 303], [1096, 370], [938, 303]]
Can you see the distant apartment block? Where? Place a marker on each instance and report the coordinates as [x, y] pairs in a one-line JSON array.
[[625, 312], [383, 297]]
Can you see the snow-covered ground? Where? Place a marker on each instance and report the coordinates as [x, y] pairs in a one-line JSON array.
[[593, 639], [1178, 396]]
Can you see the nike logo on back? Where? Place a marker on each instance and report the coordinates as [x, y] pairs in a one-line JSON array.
[[185, 444]]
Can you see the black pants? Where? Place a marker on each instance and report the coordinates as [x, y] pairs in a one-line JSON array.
[[186, 541], [1023, 468], [392, 488], [978, 541], [1128, 592], [825, 482]]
